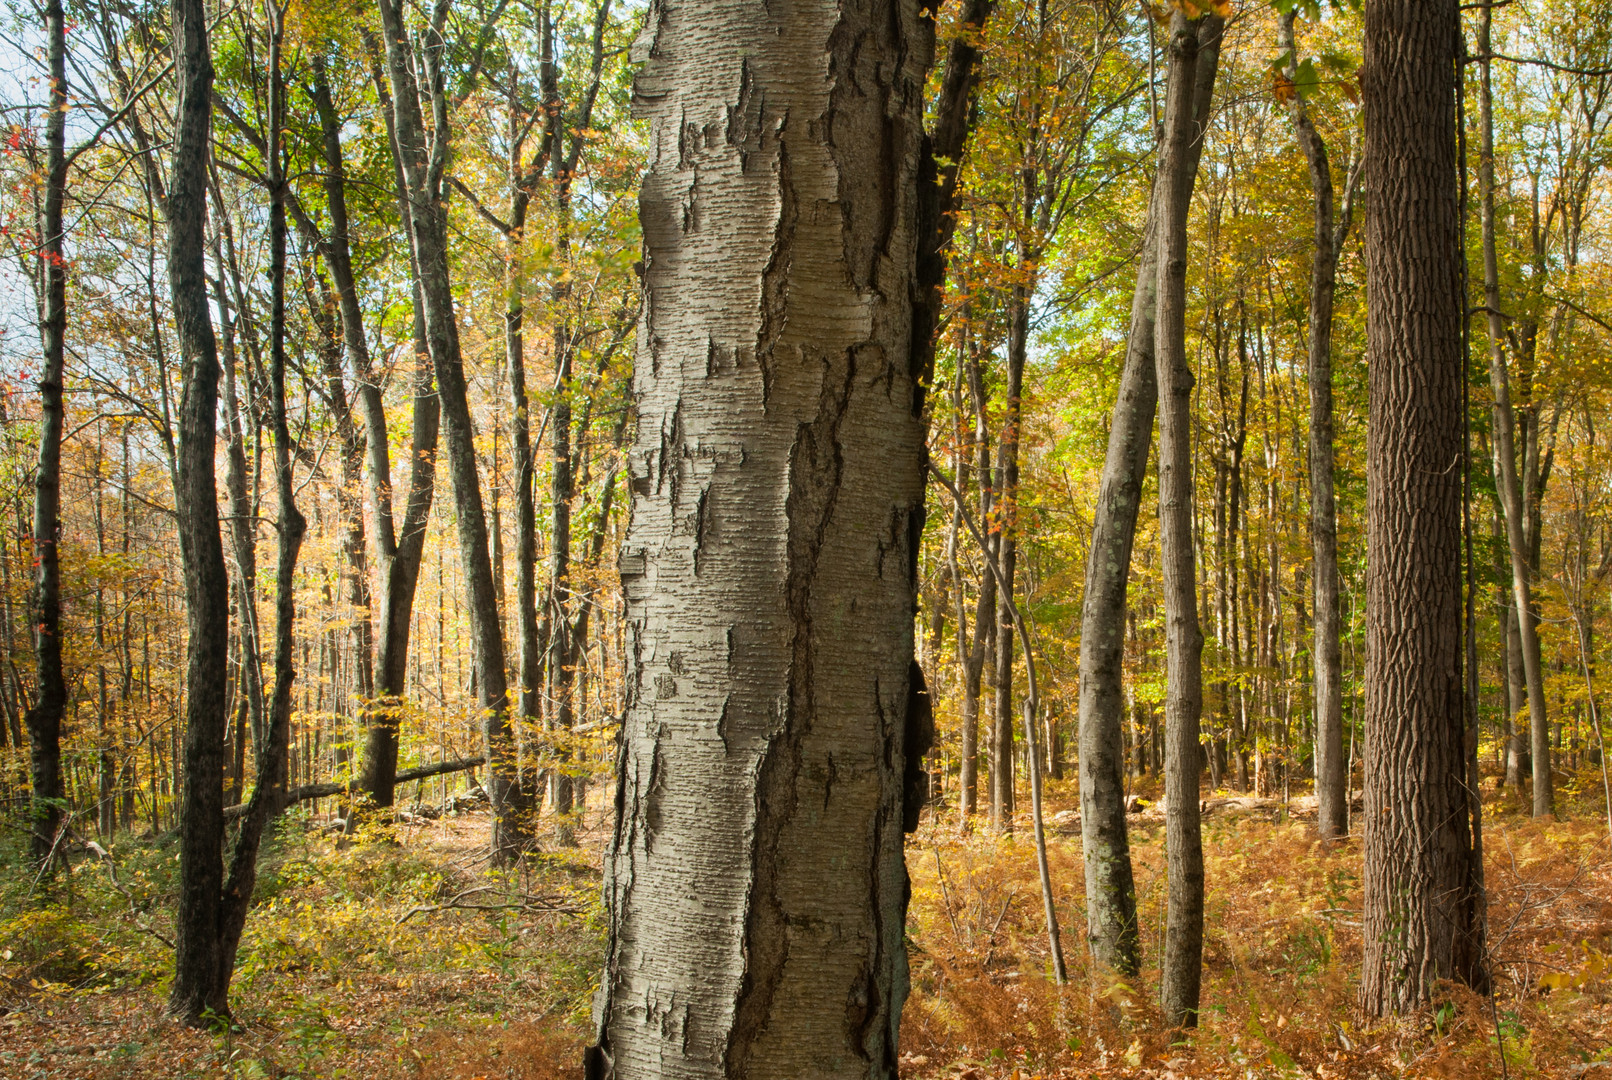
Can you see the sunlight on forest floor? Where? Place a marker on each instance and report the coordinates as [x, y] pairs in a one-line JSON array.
[[402, 956]]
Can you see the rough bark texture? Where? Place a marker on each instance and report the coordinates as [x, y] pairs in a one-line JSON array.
[[1110, 887], [200, 984], [44, 718], [1332, 818], [756, 886], [1183, 932], [1422, 921]]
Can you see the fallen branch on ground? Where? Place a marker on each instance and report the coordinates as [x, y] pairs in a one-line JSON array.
[[320, 791], [521, 902]]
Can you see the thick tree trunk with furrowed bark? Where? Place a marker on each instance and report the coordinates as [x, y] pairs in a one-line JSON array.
[[1422, 881], [1110, 887], [755, 885]]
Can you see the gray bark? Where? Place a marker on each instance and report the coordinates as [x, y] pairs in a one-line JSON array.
[[1183, 933], [422, 163], [401, 550], [1332, 819], [755, 884], [1110, 888], [1505, 451]]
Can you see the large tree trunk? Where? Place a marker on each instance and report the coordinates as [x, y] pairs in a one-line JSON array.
[[200, 985], [1422, 919], [1110, 888], [1332, 819], [213, 906], [1183, 933], [777, 483], [1505, 450], [423, 164], [44, 718]]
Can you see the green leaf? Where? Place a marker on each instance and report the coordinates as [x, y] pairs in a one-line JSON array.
[[1307, 79]]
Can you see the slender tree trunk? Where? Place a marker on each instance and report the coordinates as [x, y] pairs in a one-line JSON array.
[[1516, 695], [1111, 925], [768, 726], [986, 605], [560, 663], [400, 557], [44, 718], [1183, 935], [1505, 451], [422, 164], [1332, 818], [272, 768], [1422, 885], [243, 533], [526, 626], [1007, 559], [200, 985]]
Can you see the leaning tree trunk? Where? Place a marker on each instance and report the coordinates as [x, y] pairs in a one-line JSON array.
[[44, 719], [1422, 917], [1505, 449], [756, 888], [1332, 818], [200, 985], [1183, 932], [1110, 887], [422, 163], [400, 550]]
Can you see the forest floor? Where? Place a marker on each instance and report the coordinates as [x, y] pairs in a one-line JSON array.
[[403, 955]]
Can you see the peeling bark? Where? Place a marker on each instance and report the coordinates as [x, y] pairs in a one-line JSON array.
[[755, 885]]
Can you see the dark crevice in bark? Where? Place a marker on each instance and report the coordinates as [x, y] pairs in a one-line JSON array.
[[815, 469]]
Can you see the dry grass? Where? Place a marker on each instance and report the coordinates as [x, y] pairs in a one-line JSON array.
[[333, 986], [1281, 960]]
